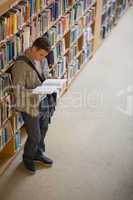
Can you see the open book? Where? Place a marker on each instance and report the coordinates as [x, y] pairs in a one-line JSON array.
[[49, 86], [58, 83]]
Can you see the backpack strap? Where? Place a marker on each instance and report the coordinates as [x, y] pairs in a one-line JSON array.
[[28, 61]]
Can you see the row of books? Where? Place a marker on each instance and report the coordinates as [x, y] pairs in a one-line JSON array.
[[62, 26], [89, 17], [112, 10], [60, 69], [13, 21], [11, 131], [74, 42], [5, 135], [38, 6], [6, 98], [17, 121], [108, 17], [75, 64], [63, 62], [58, 31], [59, 50], [5, 109], [13, 48], [84, 43], [5, 83], [106, 4], [21, 41]]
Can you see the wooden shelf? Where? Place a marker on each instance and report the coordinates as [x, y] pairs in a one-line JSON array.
[[8, 153], [4, 70], [4, 146], [97, 27], [6, 161], [30, 21], [5, 122], [9, 38], [6, 5]]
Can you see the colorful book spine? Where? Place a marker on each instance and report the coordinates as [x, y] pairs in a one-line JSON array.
[[90, 16], [87, 51], [18, 140], [60, 67], [5, 135], [5, 83], [75, 33], [87, 35], [5, 98], [73, 69], [112, 10], [21, 40], [26, 39], [19, 121], [59, 50]]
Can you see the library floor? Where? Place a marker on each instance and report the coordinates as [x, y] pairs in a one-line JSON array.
[[91, 135]]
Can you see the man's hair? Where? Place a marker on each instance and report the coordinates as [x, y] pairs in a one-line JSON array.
[[42, 43]]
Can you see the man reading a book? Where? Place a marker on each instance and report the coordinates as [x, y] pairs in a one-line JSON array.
[[36, 109]]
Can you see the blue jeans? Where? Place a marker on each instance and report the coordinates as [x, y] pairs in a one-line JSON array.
[[36, 128]]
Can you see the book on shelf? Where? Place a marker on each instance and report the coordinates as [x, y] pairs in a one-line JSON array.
[[111, 12], [11, 22], [89, 17], [59, 50], [74, 51], [17, 122], [26, 38], [88, 34], [6, 98], [87, 51], [64, 24], [57, 31], [5, 135], [60, 68], [16, 35], [15, 18], [75, 33], [73, 68], [18, 143], [5, 83]]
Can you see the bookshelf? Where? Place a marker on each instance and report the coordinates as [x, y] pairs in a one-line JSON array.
[[75, 29], [111, 13]]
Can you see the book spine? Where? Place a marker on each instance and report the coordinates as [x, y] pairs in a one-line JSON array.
[[18, 139], [5, 136]]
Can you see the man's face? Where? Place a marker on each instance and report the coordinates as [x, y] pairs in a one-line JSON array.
[[39, 54]]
